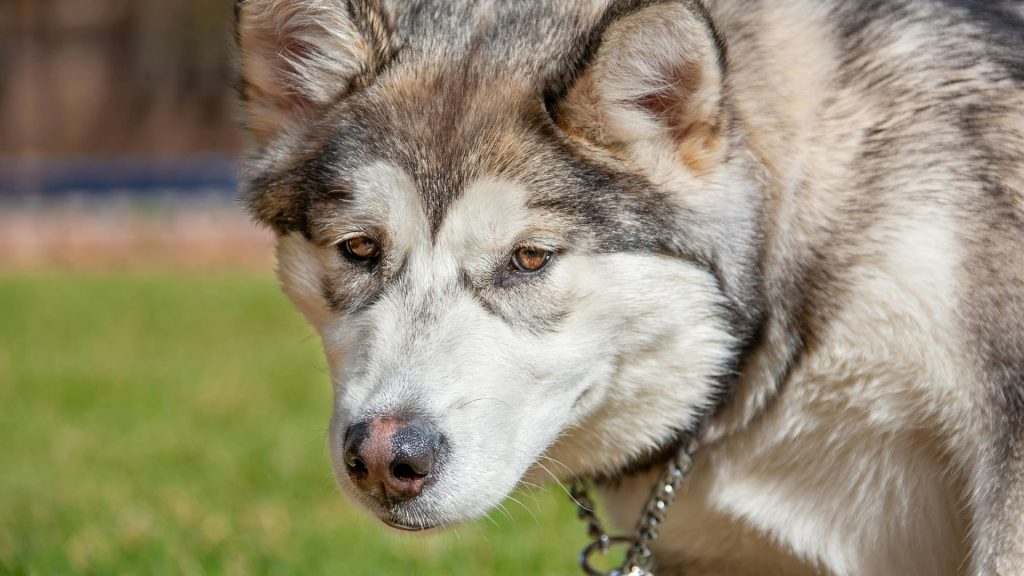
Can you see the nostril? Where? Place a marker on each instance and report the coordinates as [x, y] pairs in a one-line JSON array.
[[392, 459], [355, 437], [356, 467], [405, 472], [415, 452]]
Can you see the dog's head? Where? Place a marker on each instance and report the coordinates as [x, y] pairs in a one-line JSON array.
[[521, 229]]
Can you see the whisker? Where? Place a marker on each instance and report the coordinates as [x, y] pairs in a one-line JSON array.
[[531, 490], [324, 440], [534, 487], [528, 510], [504, 510], [564, 467], [559, 483], [550, 473], [492, 521]]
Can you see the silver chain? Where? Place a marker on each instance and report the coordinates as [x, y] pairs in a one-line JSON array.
[[638, 556]]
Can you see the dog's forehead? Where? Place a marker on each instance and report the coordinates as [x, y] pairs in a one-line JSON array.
[[489, 214], [432, 136], [414, 169], [463, 98], [494, 33], [444, 135]]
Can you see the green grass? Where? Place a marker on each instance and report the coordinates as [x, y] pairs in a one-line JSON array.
[[169, 425]]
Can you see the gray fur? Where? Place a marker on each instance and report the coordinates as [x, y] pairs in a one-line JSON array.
[[457, 91]]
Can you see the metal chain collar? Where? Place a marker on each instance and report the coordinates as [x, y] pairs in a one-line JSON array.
[[638, 556]]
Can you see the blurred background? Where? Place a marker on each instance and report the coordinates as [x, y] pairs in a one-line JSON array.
[[163, 407]]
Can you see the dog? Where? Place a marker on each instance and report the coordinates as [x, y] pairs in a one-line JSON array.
[[560, 237]]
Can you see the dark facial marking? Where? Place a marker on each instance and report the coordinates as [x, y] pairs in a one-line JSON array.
[[353, 290], [287, 199], [528, 308]]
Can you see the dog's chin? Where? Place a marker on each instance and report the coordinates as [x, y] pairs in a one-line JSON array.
[[411, 518], [442, 505], [404, 518], [419, 529], [416, 518]]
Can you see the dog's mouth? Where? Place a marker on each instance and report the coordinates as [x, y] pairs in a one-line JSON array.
[[397, 525]]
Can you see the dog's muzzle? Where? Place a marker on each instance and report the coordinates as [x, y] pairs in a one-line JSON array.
[[392, 459]]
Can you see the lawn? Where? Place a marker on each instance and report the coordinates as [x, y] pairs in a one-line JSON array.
[[175, 425]]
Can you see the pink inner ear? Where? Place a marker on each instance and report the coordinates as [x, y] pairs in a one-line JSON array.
[[659, 102], [670, 101]]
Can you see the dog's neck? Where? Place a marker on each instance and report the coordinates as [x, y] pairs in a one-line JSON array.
[[746, 390], [645, 463]]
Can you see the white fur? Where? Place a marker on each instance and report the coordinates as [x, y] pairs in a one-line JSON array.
[[845, 471], [864, 461], [469, 370]]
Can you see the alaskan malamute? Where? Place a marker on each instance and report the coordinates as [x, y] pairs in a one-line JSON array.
[[584, 230]]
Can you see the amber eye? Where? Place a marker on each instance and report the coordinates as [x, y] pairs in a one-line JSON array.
[[530, 258], [360, 248]]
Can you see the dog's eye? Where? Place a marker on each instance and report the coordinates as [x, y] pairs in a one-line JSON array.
[[530, 259], [360, 248]]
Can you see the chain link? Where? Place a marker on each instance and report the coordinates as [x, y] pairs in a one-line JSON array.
[[638, 556]]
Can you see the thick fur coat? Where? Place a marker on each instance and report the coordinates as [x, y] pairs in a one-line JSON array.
[[795, 227]]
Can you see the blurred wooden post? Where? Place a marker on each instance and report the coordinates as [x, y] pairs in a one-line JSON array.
[[112, 77]]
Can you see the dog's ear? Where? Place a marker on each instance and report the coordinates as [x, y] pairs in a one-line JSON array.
[[296, 56], [654, 84]]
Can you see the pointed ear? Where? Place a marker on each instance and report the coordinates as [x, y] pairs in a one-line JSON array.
[[296, 56], [655, 81]]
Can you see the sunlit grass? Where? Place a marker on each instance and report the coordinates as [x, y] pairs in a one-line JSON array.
[[167, 425]]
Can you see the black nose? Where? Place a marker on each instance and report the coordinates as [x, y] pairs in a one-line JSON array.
[[392, 458]]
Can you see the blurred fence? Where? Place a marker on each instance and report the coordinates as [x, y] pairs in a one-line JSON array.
[[154, 234], [111, 77], [119, 137]]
